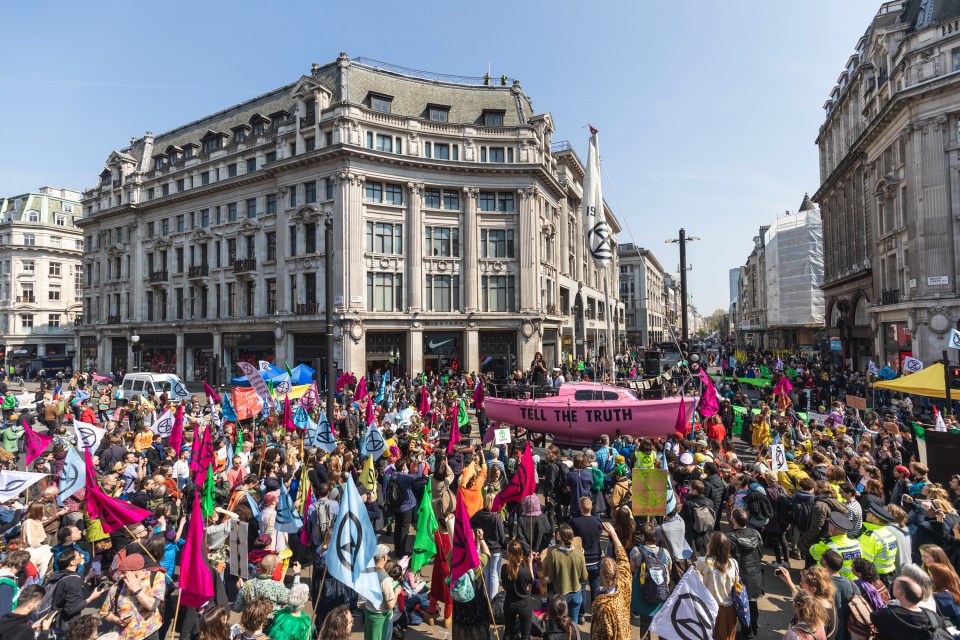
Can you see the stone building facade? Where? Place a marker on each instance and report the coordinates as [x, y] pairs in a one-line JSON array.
[[890, 187], [41, 274], [643, 296], [457, 234]]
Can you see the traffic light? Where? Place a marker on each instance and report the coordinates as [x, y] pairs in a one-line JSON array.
[[954, 377], [694, 364]]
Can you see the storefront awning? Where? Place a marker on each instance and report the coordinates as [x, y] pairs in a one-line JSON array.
[[23, 352], [926, 382]]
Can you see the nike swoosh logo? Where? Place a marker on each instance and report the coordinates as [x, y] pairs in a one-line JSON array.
[[434, 345]]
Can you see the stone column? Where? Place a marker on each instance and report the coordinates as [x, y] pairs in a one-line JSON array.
[[301, 112], [218, 345], [414, 263], [563, 250], [351, 280], [471, 250], [180, 369], [415, 349], [577, 241], [526, 245], [471, 348]]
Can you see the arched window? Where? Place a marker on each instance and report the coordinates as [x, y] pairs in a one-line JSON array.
[[835, 315], [861, 317]]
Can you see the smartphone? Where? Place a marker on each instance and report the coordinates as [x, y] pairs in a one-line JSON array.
[[104, 585]]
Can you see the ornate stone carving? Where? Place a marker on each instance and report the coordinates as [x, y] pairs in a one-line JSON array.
[[528, 192], [471, 192], [416, 188]]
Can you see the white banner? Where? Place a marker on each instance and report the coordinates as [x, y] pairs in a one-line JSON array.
[[689, 612], [163, 426], [595, 226], [13, 483], [872, 368], [911, 365], [819, 417], [88, 436], [256, 381], [778, 458], [954, 341]]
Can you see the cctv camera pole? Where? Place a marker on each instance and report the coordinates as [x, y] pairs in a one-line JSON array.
[[328, 290], [684, 329]]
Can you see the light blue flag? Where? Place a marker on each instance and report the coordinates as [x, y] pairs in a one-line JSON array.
[[288, 520], [300, 418], [254, 507], [323, 436], [373, 443], [226, 409], [776, 438], [352, 547], [81, 395], [73, 477], [671, 497], [229, 448]]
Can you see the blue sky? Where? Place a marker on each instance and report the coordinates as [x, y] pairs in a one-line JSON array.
[[708, 111]]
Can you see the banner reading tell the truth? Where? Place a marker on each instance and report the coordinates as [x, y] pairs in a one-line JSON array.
[[649, 492]]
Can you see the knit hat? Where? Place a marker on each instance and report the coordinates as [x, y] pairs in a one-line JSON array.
[[903, 470], [531, 506]]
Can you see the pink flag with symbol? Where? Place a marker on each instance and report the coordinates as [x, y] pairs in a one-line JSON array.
[[37, 443], [464, 555], [523, 483], [176, 435], [709, 405], [196, 583]]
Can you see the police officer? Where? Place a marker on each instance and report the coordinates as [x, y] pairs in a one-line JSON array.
[[879, 544], [837, 528], [645, 456]]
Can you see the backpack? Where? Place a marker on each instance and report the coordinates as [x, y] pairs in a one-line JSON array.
[[16, 588], [802, 514], [49, 602], [560, 489], [394, 494], [783, 507], [935, 629], [703, 519], [859, 624], [598, 478], [322, 519], [462, 589], [759, 506], [654, 581]]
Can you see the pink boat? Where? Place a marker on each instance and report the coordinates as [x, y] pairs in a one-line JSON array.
[[583, 411]]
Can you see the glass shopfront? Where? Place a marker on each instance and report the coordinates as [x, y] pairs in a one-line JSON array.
[[498, 353], [386, 351], [118, 357], [88, 353], [158, 353], [442, 352], [897, 343], [249, 347]]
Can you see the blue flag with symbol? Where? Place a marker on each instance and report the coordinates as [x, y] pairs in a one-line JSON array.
[[73, 477], [671, 496], [226, 409], [323, 436], [300, 418], [288, 520], [254, 507], [352, 547], [373, 443], [887, 373]]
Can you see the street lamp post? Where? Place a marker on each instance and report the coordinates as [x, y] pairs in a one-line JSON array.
[[682, 241], [135, 339]]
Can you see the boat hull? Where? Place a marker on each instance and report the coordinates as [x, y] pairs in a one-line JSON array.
[[586, 421]]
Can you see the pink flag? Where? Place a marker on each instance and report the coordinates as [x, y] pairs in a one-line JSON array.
[[783, 387], [196, 583], [37, 443], [479, 393], [311, 398], [176, 434], [114, 514], [708, 403], [288, 423], [361, 392], [91, 485], [681, 424], [464, 557], [523, 483], [454, 438], [371, 414], [211, 393], [202, 455], [424, 401]]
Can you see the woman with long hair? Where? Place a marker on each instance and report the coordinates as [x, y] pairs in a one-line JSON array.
[[213, 624], [338, 624], [645, 549], [564, 570], [719, 571], [946, 591], [35, 538], [292, 623], [559, 624], [516, 576], [810, 618], [817, 582]]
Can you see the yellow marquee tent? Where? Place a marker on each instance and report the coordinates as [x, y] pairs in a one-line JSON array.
[[926, 382]]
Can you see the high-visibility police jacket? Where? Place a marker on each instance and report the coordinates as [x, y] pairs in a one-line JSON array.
[[645, 460], [880, 546], [848, 549]]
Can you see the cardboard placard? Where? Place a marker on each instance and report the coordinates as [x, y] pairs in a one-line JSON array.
[[238, 562], [649, 492], [856, 402], [501, 436]]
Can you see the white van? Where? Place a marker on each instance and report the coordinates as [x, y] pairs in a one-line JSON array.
[[135, 385]]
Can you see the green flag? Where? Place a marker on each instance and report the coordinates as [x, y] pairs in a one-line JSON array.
[[270, 386], [791, 372], [208, 501], [425, 545], [919, 431], [289, 373], [239, 438], [764, 371], [463, 418]]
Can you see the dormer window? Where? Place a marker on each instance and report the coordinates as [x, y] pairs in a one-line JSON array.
[[160, 160], [438, 112], [258, 129], [278, 118], [380, 102], [493, 118], [258, 125], [211, 141], [189, 151], [240, 133]]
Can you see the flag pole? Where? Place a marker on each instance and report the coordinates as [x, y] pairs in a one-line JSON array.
[[176, 613], [137, 540], [493, 621], [316, 598]]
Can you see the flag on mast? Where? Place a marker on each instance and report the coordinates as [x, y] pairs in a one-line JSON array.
[[596, 229]]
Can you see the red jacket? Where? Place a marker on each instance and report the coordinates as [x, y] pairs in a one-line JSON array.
[[89, 416]]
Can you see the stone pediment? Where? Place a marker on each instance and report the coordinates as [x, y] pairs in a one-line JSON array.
[[115, 249], [161, 243], [306, 213], [201, 233], [118, 157], [247, 226], [307, 85]]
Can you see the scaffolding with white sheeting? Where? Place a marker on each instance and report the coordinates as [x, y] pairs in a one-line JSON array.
[[794, 270]]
